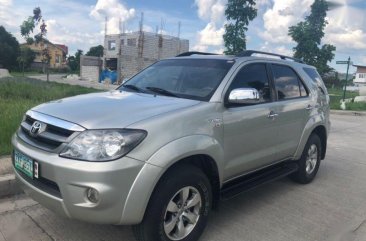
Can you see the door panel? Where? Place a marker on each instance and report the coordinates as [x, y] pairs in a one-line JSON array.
[[249, 133], [293, 101], [250, 138], [291, 119]]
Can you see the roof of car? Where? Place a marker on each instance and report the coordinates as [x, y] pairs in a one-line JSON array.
[[245, 55]]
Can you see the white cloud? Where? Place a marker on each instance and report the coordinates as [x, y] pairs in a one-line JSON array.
[[115, 11], [346, 29], [212, 11], [6, 2], [280, 17], [281, 49], [211, 35], [57, 33]]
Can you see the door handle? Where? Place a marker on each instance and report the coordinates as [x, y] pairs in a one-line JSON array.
[[272, 115]]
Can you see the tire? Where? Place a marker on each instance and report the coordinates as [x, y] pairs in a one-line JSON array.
[[309, 161], [164, 216]]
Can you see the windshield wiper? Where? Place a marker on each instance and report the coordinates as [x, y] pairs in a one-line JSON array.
[[161, 91], [133, 87]]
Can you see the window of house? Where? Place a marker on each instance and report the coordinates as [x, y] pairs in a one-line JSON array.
[[362, 76], [287, 82], [58, 59], [253, 76], [122, 42], [111, 45], [131, 42]]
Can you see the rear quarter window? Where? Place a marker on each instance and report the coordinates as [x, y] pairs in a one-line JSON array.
[[313, 74]]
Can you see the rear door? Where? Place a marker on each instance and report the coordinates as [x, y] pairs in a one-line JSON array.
[[292, 109]]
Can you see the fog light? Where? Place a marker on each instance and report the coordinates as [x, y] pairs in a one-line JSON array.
[[92, 195]]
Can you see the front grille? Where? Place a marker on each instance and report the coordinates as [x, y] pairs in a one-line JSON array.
[[51, 138]]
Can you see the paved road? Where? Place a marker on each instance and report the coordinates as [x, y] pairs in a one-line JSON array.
[[332, 208]]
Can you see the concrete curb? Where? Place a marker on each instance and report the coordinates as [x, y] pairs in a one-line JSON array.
[[9, 186], [348, 112], [8, 183]]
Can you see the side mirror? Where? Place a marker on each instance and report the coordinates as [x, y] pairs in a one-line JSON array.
[[244, 96]]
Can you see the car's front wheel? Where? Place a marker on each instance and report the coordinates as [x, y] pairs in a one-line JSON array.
[[178, 208]]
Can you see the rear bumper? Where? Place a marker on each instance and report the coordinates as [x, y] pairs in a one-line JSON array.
[[63, 183]]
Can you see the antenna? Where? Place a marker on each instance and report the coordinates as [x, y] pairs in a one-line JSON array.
[[162, 25], [179, 25], [120, 25], [142, 22], [106, 25]]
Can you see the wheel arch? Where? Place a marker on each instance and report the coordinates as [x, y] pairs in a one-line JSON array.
[[200, 151], [208, 166], [320, 130]]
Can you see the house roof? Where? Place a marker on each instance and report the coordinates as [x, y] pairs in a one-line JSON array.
[[357, 65], [62, 47]]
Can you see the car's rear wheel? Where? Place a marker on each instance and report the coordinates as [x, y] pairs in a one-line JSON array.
[[309, 161], [178, 208]]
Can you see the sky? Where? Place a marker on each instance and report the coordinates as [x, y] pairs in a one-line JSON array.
[[81, 24]]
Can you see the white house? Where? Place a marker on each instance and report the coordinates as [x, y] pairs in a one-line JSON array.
[[360, 75]]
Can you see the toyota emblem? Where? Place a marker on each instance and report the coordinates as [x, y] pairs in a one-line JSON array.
[[36, 128]]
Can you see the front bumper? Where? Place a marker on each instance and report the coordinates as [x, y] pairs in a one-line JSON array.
[[63, 183]]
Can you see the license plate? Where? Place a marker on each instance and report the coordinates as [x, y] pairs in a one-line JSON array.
[[25, 165]]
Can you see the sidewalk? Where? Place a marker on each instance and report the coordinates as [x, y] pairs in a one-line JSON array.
[[348, 112], [8, 185]]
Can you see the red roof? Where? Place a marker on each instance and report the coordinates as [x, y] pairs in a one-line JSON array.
[[63, 47]]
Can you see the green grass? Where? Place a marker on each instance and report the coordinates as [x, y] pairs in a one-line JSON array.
[[19, 94], [336, 95]]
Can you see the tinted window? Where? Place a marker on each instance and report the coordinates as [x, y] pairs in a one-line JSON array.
[[253, 76], [287, 83], [313, 74], [185, 78]]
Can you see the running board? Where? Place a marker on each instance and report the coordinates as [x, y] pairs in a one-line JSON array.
[[253, 180]]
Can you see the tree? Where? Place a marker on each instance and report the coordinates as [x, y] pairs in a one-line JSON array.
[[96, 51], [26, 57], [308, 35], [78, 53], [27, 28], [74, 61], [238, 13], [9, 49]]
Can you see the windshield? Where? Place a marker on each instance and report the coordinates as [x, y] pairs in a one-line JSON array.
[[184, 78]]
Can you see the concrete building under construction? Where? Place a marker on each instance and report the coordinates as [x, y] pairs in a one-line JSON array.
[[128, 53]]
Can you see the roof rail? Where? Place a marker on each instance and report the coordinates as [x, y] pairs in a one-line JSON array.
[[247, 53], [193, 53]]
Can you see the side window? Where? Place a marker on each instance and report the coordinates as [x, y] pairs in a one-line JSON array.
[[313, 74], [287, 83], [253, 76]]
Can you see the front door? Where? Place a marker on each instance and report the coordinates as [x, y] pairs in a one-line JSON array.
[[250, 132]]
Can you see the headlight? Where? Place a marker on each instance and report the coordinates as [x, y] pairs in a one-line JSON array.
[[103, 145]]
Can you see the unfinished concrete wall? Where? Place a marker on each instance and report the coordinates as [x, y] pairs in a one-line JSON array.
[[90, 67], [135, 51]]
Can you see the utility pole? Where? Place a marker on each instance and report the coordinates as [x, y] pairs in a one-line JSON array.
[[348, 62]]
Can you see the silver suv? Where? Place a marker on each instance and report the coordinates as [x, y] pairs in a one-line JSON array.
[[161, 150]]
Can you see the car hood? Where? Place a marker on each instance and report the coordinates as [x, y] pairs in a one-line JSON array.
[[114, 109]]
